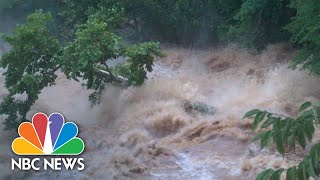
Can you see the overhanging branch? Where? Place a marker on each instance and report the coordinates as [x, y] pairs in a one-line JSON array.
[[114, 79]]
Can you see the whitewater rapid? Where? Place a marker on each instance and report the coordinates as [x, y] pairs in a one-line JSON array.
[[144, 132]]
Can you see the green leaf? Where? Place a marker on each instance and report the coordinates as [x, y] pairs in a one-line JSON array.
[[259, 136], [306, 116], [264, 175], [291, 173], [259, 117], [279, 142], [277, 174], [265, 139], [287, 128], [317, 114], [308, 129], [292, 134], [251, 113], [302, 172], [309, 166], [304, 106], [315, 157], [268, 122], [301, 137], [292, 140]]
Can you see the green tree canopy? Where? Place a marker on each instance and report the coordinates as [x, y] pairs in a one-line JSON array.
[[305, 29], [36, 55], [31, 65]]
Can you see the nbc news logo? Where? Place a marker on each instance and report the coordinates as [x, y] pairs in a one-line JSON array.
[[48, 136]]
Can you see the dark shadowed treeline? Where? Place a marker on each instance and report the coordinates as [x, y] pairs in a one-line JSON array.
[[253, 23]]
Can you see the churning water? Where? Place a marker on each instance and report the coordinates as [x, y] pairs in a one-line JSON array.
[[145, 133]]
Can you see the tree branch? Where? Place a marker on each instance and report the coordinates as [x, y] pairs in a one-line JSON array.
[[118, 80]]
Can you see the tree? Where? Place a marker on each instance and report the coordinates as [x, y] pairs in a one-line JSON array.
[[31, 66], [74, 13], [36, 55], [260, 22], [305, 29], [95, 43], [183, 22]]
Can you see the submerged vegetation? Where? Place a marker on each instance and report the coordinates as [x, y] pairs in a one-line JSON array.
[[80, 37]]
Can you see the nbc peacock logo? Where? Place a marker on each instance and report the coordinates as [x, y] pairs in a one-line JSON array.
[[48, 136]]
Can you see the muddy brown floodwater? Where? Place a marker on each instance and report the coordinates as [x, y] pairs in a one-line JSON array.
[[144, 132]]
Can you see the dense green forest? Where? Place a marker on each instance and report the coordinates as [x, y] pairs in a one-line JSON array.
[[78, 37]]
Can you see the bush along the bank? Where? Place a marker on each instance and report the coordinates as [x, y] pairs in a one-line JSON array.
[[287, 133]]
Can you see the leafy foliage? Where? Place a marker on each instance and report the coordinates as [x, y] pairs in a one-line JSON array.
[[36, 55], [22, 8], [95, 44], [182, 22], [305, 29], [31, 66], [308, 167], [8, 4], [286, 132], [259, 22], [74, 13], [140, 60]]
